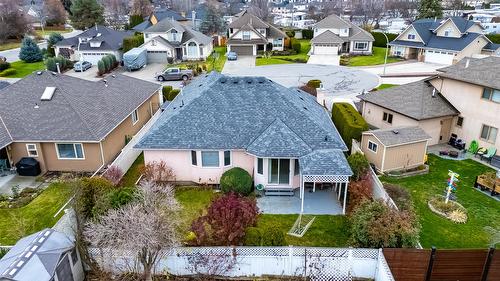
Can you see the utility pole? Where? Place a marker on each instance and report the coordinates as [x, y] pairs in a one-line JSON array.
[[386, 50]]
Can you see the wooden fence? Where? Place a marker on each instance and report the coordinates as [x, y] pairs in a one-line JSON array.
[[443, 265]]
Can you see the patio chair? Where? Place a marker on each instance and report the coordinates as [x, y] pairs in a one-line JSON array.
[[473, 147], [491, 152], [481, 151]]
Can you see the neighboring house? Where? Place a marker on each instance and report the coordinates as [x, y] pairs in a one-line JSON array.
[[158, 16], [334, 36], [249, 34], [281, 136], [46, 255], [93, 44], [72, 124], [441, 41], [413, 104], [169, 38], [396, 148], [463, 99]]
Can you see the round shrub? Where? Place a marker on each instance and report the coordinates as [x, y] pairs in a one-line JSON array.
[[315, 83], [359, 165], [8, 72], [101, 67], [296, 46], [237, 180], [107, 63], [273, 236], [253, 237], [4, 65], [120, 197]]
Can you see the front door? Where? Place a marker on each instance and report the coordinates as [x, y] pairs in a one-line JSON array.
[[444, 135], [178, 53], [279, 171]]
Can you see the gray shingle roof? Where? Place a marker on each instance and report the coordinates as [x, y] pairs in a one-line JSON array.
[[165, 25], [397, 136], [111, 39], [324, 162], [246, 17], [43, 261], [327, 37], [482, 72], [80, 110], [332, 21], [220, 112], [4, 84], [5, 138], [414, 100]]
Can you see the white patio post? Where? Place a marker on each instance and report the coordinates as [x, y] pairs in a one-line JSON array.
[[345, 197], [302, 197], [340, 191]]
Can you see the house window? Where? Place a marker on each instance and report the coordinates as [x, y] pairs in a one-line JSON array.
[[210, 159], [260, 166], [279, 171], [447, 32], [174, 35], [74, 256], [387, 117], [278, 42], [134, 116], [227, 158], [70, 151], [32, 151], [296, 169], [360, 45], [411, 36], [245, 35], [491, 94], [460, 121], [194, 161], [372, 146], [489, 133]]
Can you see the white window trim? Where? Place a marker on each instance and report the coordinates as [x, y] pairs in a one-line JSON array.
[[262, 159], [136, 113], [209, 167], [35, 150], [368, 146], [489, 133], [224, 158], [361, 49], [290, 175], [191, 157], [74, 148]]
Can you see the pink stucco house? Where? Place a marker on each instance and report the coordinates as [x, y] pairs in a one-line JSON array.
[[281, 136]]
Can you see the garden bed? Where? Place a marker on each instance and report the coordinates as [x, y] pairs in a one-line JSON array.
[[420, 170], [451, 210]]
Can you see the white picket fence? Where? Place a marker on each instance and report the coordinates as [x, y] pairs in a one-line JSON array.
[[316, 263]]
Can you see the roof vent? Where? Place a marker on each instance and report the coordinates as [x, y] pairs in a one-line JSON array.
[[305, 108], [36, 106], [105, 82], [114, 76], [54, 73], [235, 81], [467, 63], [48, 93], [261, 80], [326, 138], [223, 80], [434, 92], [39, 73], [395, 132], [249, 80]]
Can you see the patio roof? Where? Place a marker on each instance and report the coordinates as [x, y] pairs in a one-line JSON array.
[[331, 162]]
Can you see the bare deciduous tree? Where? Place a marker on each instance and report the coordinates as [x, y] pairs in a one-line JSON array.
[[402, 8], [141, 7], [260, 8], [146, 227], [115, 9], [55, 12], [13, 23], [370, 10]]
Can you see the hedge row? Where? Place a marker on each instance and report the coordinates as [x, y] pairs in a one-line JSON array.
[[132, 42], [106, 64], [169, 93], [495, 38], [307, 33], [64, 63], [348, 121], [380, 40]]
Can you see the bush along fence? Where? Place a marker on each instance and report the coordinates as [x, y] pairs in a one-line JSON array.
[[348, 121], [106, 64], [314, 263]]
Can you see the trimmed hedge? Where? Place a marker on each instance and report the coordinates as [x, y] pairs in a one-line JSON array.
[[172, 94], [348, 121], [495, 38], [273, 236], [8, 72], [132, 42], [315, 83], [307, 33], [236, 180], [380, 39], [165, 91], [296, 45]]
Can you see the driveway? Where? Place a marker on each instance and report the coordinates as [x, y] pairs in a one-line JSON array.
[[324, 59], [89, 74], [148, 73], [338, 81], [242, 62], [403, 72]]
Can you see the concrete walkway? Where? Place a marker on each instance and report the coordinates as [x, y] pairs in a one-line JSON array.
[[12, 180], [321, 202]]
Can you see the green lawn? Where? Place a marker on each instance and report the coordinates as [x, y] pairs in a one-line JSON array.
[[376, 58], [133, 173], [440, 232], [218, 65], [35, 216], [194, 201], [23, 69], [9, 45], [48, 31], [305, 47], [385, 86], [326, 231]]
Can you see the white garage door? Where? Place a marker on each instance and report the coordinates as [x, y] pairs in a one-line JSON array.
[[157, 56], [439, 57], [326, 49], [93, 57]]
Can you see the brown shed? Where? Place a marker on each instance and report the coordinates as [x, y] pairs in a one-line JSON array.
[[395, 149]]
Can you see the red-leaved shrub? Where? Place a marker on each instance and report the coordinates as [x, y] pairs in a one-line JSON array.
[[113, 174], [226, 220], [359, 191]]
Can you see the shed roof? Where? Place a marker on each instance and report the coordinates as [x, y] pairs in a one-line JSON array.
[[399, 136]]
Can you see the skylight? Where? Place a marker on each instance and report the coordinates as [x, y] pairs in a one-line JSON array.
[[48, 93]]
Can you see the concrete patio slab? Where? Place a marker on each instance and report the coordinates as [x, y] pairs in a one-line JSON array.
[[321, 202], [9, 181]]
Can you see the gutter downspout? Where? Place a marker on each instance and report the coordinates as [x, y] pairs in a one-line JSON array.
[[102, 160]]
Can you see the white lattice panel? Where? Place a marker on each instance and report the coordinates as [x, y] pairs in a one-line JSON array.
[[325, 178]]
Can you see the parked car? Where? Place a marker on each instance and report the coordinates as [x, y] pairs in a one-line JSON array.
[[232, 56], [82, 66], [174, 73]]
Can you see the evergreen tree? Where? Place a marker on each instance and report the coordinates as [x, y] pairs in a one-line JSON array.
[[212, 23], [86, 13], [30, 52], [54, 37], [134, 20], [430, 9]]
